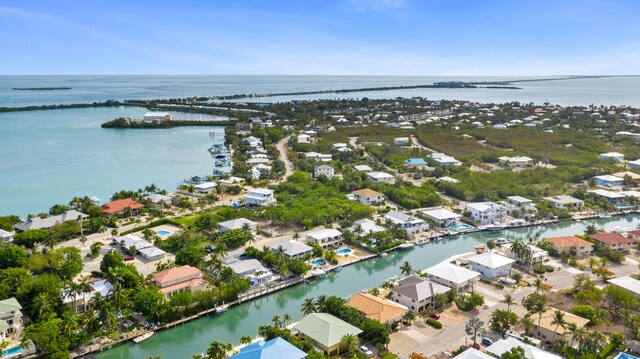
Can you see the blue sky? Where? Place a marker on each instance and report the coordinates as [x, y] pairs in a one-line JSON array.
[[320, 37]]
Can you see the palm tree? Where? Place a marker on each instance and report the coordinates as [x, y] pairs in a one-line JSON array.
[[474, 328], [246, 228], [408, 317], [244, 340], [358, 230], [539, 281], [517, 247], [592, 262], [406, 269], [286, 319], [218, 350], [348, 343], [296, 235], [571, 329], [426, 313], [321, 303], [308, 306], [559, 321], [42, 305], [604, 261], [276, 321], [527, 323], [508, 300]]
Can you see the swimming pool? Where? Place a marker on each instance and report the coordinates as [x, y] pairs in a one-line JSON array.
[[461, 227], [344, 251], [163, 232], [318, 262], [623, 355], [12, 351]]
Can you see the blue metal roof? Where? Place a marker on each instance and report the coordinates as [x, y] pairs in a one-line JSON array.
[[276, 348], [415, 161]]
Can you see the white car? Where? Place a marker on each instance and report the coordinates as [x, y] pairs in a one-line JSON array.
[[366, 351]]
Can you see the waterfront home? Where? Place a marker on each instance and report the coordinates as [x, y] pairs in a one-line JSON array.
[[485, 212], [121, 207], [327, 237], [129, 242], [247, 126], [609, 181], [205, 187], [530, 352], [538, 255], [238, 223], [368, 196], [179, 279], [408, 223], [80, 301], [401, 141], [520, 205], [442, 217], [613, 197], [453, 276], [615, 156], [566, 243], [363, 168], [5, 236], [152, 253], [473, 353], [252, 141], [491, 265], [444, 160], [304, 138], [325, 331], [416, 293], [380, 177], [292, 249], [153, 116], [382, 310], [10, 319], [276, 348], [325, 170], [366, 226], [564, 202], [515, 162], [634, 235], [614, 241], [38, 223], [634, 165], [547, 327], [259, 197], [627, 283], [252, 269]]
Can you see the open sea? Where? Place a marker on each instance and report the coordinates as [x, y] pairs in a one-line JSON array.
[[47, 157]]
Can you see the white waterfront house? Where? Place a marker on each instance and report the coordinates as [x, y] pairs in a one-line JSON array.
[[564, 202], [80, 301], [485, 212], [154, 116], [367, 226], [491, 265], [326, 170], [520, 204], [515, 162], [252, 141], [416, 293], [327, 237], [292, 248], [237, 223], [206, 187], [442, 217], [380, 177], [453, 276], [368, 196], [615, 156], [252, 269], [408, 223], [259, 197]]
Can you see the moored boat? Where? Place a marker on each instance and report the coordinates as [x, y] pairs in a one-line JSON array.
[[222, 308], [493, 227], [406, 245], [318, 272], [143, 337]]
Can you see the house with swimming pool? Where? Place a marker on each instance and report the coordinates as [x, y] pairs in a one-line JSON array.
[[328, 237], [292, 249], [10, 319], [407, 222], [442, 217]]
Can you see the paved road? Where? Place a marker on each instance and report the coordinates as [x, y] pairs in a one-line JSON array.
[[281, 145]]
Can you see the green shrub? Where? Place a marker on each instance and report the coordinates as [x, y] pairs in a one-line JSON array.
[[539, 270], [434, 323], [585, 311]]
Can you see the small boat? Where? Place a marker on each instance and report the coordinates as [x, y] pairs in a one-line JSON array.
[[318, 272], [605, 216], [219, 163], [310, 280], [502, 241], [222, 308], [143, 337], [338, 268], [406, 245], [493, 227], [221, 156], [384, 254]]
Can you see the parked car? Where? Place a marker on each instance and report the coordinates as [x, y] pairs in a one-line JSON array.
[[112, 250], [435, 315], [366, 351], [208, 248], [129, 258], [486, 341]]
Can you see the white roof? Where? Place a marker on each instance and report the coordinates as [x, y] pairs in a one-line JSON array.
[[491, 260], [452, 273], [156, 197], [5, 234], [367, 225], [530, 352], [205, 186], [246, 267], [365, 167], [446, 159], [612, 154], [133, 241], [607, 194], [323, 167], [563, 199], [482, 206], [152, 251], [628, 283], [399, 217], [292, 247], [101, 286], [631, 193], [519, 199], [379, 175], [324, 233], [236, 223], [448, 179], [156, 113], [264, 191], [441, 214], [609, 178], [472, 353]]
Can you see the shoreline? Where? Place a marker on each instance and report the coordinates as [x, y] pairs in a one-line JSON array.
[[206, 313]]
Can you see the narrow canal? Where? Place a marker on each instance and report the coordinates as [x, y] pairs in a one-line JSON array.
[[194, 337]]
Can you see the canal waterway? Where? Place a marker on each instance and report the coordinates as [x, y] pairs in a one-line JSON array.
[[194, 337]]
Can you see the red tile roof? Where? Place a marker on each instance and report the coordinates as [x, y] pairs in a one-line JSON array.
[[634, 233], [184, 273], [568, 242], [120, 205], [612, 238]]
